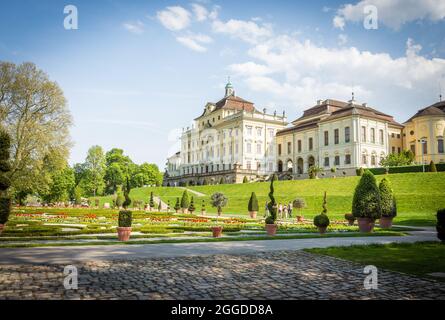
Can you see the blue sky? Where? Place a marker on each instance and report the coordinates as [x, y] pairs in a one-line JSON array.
[[136, 72]]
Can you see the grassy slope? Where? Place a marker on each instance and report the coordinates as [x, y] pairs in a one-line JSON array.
[[419, 195], [418, 259]]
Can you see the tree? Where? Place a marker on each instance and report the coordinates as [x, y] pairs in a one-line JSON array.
[[184, 201], [299, 204], [218, 201], [191, 207], [95, 169], [147, 174], [253, 203], [34, 112], [60, 186], [271, 206], [177, 205], [118, 168], [403, 158], [5, 182], [433, 166], [366, 202], [77, 195]]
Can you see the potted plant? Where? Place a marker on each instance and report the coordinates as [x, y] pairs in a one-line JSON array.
[[218, 201], [203, 208], [5, 182], [177, 206], [271, 226], [322, 220], [299, 204], [440, 225], [366, 203], [350, 218], [388, 203], [185, 201], [314, 171], [253, 206], [125, 217], [191, 207]]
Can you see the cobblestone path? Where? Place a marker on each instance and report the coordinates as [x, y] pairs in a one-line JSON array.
[[271, 275]]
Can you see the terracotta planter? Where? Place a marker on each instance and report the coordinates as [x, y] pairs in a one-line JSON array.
[[322, 230], [385, 222], [300, 218], [123, 233], [271, 229], [2, 226], [253, 214], [217, 231], [366, 224]]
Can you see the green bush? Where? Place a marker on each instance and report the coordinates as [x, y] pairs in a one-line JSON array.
[[359, 172], [5, 166], [5, 209], [191, 207], [440, 226], [5, 145], [433, 166], [125, 218], [203, 206], [253, 203], [120, 200], [387, 199], [321, 220], [177, 205], [5, 182], [366, 202], [221, 181], [218, 201], [406, 169], [272, 206], [245, 179], [151, 202], [185, 200]]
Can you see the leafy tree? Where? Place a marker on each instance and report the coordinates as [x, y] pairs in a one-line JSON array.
[[34, 112], [60, 186], [299, 204], [185, 201], [77, 195], [366, 202], [147, 174], [253, 203], [118, 168], [404, 158], [95, 170], [218, 201]]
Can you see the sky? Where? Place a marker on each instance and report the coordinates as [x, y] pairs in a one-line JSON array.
[[135, 73]]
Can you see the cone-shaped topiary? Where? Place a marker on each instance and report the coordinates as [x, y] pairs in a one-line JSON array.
[[253, 203], [245, 179], [440, 226], [221, 181], [272, 206], [177, 205], [151, 203], [203, 206], [192, 206], [433, 166], [366, 202], [185, 200], [387, 198], [160, 205]]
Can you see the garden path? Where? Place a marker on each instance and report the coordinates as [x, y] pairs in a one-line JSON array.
[[199, 194]]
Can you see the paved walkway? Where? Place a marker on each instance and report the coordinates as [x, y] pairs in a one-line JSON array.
[[199, 194], [75, 254], [270, 275]]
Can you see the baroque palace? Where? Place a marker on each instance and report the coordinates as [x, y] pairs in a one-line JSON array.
[[232, 141]]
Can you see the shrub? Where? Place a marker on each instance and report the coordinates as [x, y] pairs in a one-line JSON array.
[[192, 206], [333, 169], [349, 216], [245, 179], [253, 203], [78, 195], [366, 200], [120, 200], [440, 226], [127, 190], [218, 200], [221, 181], [151, 202], [433, 166], [322, 219], [204, 182], [5, 209], [125, 218], [314, 171], [185, 200], [177, 205], [387, 199], [160, 205], [203, 206], [299, 204], [359, 171], [5, 182], [272, 206]]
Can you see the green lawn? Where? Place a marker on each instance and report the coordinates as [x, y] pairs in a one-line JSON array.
[[419, 195], [418, 259]]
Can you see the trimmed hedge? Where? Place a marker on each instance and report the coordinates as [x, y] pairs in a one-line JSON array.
[[407, 169]]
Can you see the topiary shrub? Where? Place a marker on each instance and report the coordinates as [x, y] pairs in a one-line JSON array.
[[185, 201], [299, 204], [388, 205], [359, 172], [218, 201], [160, 205], [253, 203], [191, 207], [272, 206], [245, 179], [127, 200], [322, 220], [221, 181], [433, 166], [120, 200], [151, 202], [125, 219], [177, 205], [366, 202], [203, 206], [440, 225]]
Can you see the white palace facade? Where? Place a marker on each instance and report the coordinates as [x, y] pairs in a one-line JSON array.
[[232, 141]]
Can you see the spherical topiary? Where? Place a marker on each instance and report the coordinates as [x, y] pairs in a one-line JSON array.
[[321, 220], [366, 202]]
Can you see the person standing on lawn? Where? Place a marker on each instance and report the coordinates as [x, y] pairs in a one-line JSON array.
[[289, 209]]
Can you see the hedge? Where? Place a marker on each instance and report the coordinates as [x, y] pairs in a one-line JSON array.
[[405, 169]]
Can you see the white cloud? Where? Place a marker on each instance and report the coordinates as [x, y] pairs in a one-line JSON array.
[[393, 13], [342, 39], [174, 18], [248, 31], [200, 12], [136, 27], [195, 41], [213, 15], [339, 22], [300, 72]]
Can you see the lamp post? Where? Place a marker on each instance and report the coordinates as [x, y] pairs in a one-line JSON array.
[[423, 141]]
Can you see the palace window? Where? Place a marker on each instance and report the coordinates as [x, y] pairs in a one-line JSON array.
[[381, 136], [249, 130], [259, 132], [326, 138], [271, 133], [440, 148], [363, 137], [258, 148], [336, 136], [364, 159], [326, 161], [347, 134], [299, 145], [249, 148], [348, 159], [249, 165], [372, 135], [289, 148], [373, 158], [279, 149], [424, 147], [337, 161], [311, 144]]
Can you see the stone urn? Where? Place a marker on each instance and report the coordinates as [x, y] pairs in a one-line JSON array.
[[217, 232], [253, 214], [366, 224], [271, 229], [385, 222], [123, 233]]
